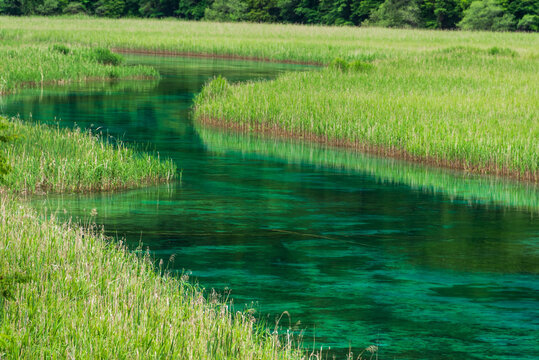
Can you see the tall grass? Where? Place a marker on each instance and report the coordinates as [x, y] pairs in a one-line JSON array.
[[71, 293], [460, 99], [49, 159], [469, 110], [36, 65]]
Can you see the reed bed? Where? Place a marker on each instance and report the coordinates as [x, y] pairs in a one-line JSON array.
[[36, 65], [50, 159], [68, 292], [466, 100], [461, 108]]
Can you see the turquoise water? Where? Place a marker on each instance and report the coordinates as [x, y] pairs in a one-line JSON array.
[[424, 263]]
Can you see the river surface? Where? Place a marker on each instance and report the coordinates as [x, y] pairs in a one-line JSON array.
[[424, 263]]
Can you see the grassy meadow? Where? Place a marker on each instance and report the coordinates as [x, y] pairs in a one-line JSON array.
[[29, 64], [459, 99], [71, 293], [44, 159]]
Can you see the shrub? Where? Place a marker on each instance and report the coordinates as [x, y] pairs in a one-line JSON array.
[[529, 22], [496, 51], [74, 8], [359, 66], [486, 15], [343, 65], [223, 10], [107, 57], [396, 13], [62, 49], [339, 64]]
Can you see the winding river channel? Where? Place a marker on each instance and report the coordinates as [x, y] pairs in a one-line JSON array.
[[359, 250]]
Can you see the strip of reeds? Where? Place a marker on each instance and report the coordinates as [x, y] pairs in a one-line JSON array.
[[67, 292], [30, 64], [50, 159]]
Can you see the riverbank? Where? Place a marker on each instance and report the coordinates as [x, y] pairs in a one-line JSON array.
[[445, 108], [70, 292], [44, 159], [464, 100], [30, 64]]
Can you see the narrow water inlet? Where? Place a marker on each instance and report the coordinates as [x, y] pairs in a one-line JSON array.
[[357, 257]]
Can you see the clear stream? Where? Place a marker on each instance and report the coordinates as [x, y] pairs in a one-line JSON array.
[[424, 263]]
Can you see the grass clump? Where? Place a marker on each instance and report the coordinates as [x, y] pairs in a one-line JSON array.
[[343, 65], [106, 57], [49, 159], [36, 65], [78, 295], [62, 49]]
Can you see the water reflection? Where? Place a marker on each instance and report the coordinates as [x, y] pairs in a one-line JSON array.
[[459, 187]]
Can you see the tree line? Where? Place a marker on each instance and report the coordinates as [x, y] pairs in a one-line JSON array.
[[497, 15]]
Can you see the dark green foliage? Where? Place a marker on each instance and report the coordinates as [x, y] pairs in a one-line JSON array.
[[74, 8], [529, 23], [62, 49], [396, 13], [107, 57], [356, 65], [362, 10], [498, 15], [49, 7], [227, 10], [192, 9], [487, 15], [441, 14]]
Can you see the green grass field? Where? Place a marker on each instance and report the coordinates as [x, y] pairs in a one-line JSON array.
[[71, 293], [30, 64], [47, 159], [466, 100]]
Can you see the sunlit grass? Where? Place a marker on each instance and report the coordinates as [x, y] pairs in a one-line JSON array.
[[474, 111], [49, 159], [37, 65], [71, 293]]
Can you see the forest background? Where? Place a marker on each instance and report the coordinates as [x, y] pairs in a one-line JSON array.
[[495, 15]]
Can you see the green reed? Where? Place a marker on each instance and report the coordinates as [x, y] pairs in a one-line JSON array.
[[37, 65], [49, 159], [473, 111], [72, 293]]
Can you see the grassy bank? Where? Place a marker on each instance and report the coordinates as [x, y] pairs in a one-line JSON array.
[[465, 100], [70, 293], [457, 108], [31, 64], [49, 159]]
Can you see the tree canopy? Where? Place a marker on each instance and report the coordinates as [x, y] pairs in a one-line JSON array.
[[501, 15]]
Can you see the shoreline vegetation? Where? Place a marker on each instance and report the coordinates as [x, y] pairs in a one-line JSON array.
[[459, 99], [45, 159], [69, 292], [66, 290]]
